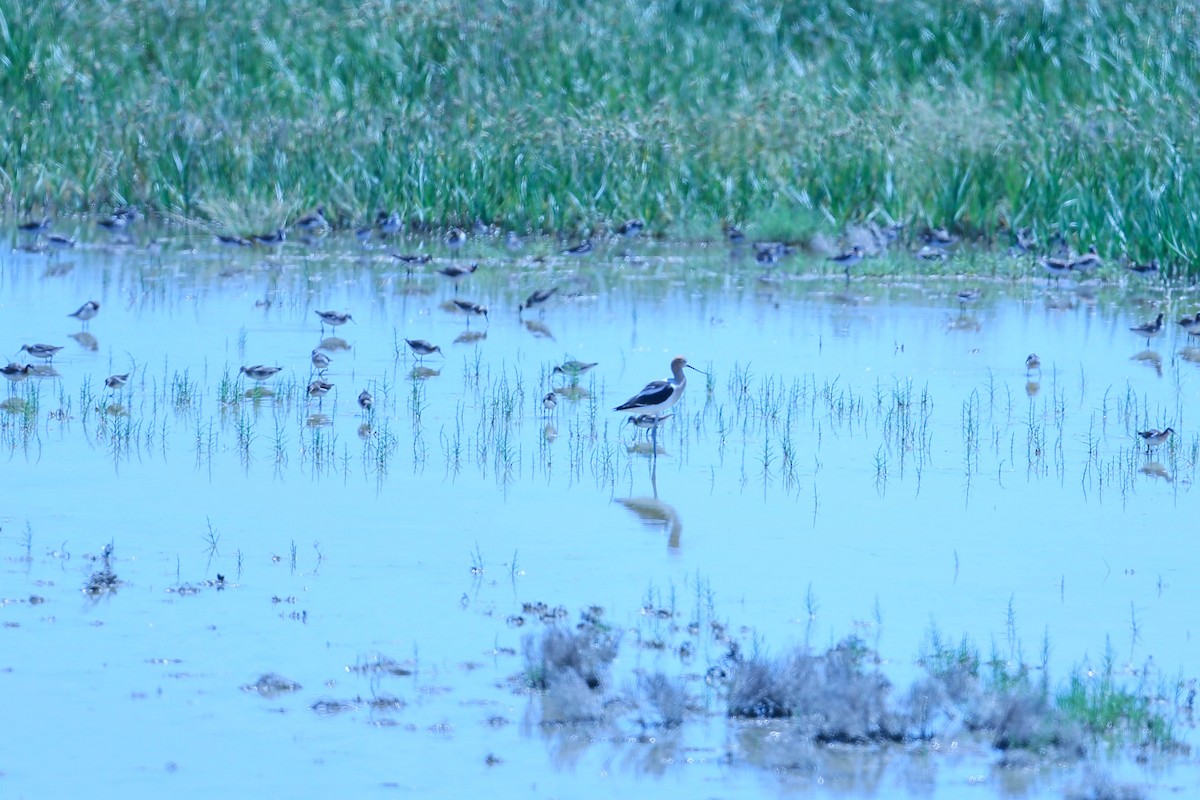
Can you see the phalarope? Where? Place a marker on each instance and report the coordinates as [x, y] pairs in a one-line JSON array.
[[314, 222], [1154, 437], [456, 273], [631, 228], [1087, 262], [848, 258], [365, 400], [1149, 329], [259, 372], [1148, 268], [550, 401], [319, 388], [117, 381], [320, 361], [233, 240], [16, 372], [422, 348], [270, 239], [332, 318], [45, 351], [388, 224], [86, 312], [456, 238], [1191, 325], [1033, 363], [573, 369], [537, 298], [580, 249], [471, 309]]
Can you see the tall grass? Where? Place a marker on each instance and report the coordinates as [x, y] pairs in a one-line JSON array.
[[1074, 117]]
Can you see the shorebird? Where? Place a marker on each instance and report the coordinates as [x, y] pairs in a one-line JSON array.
[[58, 240], [119, 218], [470, 309], [631, 228], [35, 227], [550, 401], [966, 297], [1026, 240], [1153, 437], [233, 240], [580, 249], [573, 369], [117, 381], [648, 422], [657, 396], [320, 361], [332, 318], [314, 222], [1143, 269], [1088, 261], [388, 224], [422, 348], [848, 258], [45, 351], [259, 372], [1032, 363], [938, 237], [456, 238], [365, 400], [270, 239], [1149, 329], [456, 273], [733, 234], [86, 311], [319, 388], [1191, 325], [16, 372], [537, 298], [1055, 267]]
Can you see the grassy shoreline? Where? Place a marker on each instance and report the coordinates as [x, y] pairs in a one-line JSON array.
[[572, 116]]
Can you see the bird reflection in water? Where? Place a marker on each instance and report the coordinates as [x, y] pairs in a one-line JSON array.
[[655, 513]]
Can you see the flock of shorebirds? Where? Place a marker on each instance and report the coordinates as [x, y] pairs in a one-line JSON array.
[[648, 408]]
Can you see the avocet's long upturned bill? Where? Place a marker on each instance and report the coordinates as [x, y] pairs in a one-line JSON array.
[[658, 396]]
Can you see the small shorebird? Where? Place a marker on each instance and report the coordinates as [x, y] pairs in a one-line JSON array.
[[320, 361], [1149, 329], [1055, 267], [648, 422], [456, 273], [657, 396], [938, 237], [117, 381], [270, 239], [422, 348], [259, 372], [388, 224], [631, 228], [550, 401], [86, 311], [412, 260], [314, 222], [733, 234], [233, 240], [1033, 363], [319, 388], [456, 238], [1191, 325], [332, 318], [16, 372], [967, 297], [45, 351], [471, 309], [765, 256], [573, 369], [1026, 240], [365, 400], [848, 258], [1087, 262], [1150, 267], [580, 249], [35, 227], [119, 219], [1153, 437], [537, 298], [58, 240]]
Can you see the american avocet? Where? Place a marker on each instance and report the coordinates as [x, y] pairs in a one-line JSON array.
[[1149, 329], [365, 400], [1032, 363], [657, 396], [422, 348], [573, 369], [580, 249], [86, 311], [320, 361], [332, 318], [117, 381], [631, 228], [45, 351], [1154, 437], [259, 372], [471, 309], [537, 298]]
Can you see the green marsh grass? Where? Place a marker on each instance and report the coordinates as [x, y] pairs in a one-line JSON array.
[[1073, 118]]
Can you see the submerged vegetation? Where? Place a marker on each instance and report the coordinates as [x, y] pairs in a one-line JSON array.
[[1071, 118]]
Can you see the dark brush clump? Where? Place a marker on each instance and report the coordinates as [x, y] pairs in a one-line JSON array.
[[571, 669]]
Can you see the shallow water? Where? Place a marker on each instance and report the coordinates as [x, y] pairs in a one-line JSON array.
[[864, 458]]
